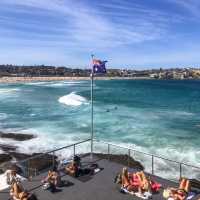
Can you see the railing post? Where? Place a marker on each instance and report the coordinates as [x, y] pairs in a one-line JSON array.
[[108, 151], [180, 175], [129, 155], [152, 164], [74, 149], [53, 159], [28, 168]]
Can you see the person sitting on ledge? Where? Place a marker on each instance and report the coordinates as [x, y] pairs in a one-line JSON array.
[[72, 169], [11, 176], [17, 192], [53, 178], [183, 190]]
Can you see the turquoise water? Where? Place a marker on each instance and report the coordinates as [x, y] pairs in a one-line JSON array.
[[161, 117]]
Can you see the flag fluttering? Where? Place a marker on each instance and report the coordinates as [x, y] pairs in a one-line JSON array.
[[99, 66]]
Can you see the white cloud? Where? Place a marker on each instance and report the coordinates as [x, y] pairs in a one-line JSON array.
[[191, 6], [76, 28], [95, 30]]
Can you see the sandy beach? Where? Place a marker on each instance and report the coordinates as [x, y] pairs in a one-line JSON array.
[[59, 78]]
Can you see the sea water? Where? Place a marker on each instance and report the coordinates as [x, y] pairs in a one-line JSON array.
[[161, 117]]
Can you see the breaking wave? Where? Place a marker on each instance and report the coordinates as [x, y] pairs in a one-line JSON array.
[[3, 116], [72, 99], [57, 83], [8, 90]]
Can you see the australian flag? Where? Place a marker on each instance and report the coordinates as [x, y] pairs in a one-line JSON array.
[[99, 66]]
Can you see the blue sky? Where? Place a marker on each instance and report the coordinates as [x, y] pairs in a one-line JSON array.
[[128, 33]]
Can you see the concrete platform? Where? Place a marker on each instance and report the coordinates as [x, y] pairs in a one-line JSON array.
[[101, 186]]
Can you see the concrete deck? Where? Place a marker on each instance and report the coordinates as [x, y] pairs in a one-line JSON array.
[[101, 186]]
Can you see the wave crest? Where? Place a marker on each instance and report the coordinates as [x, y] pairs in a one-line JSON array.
[[8, 90], [72, 99]]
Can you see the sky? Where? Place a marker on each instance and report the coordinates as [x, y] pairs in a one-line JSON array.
[[128, 33]]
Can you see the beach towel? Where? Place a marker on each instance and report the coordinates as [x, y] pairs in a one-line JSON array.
[[155, 186], [3, 180], [46, 186], [146, 195], [190, 195]]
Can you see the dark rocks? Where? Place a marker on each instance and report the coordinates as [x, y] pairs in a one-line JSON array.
[[195, 183], [5, 158], [19, 156], [7, 148], [42, 161], [10, 166], [17, 136], [38, 163], [122, 159]]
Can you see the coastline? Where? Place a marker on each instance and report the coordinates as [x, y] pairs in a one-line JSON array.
[[7, 79]]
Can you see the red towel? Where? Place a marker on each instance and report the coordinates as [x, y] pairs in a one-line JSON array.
[[155, 186]]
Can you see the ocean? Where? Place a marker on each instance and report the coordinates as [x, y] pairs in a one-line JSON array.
[[161, 117]]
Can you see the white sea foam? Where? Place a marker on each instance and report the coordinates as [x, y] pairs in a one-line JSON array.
[[1, 151], [46, 141], [3, 116], [57, 83], [37, 83], [162, 167], [3, 181], [72, 99], [8, 90]]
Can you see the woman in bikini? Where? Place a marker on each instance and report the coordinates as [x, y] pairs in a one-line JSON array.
[[53, 177], [182, 191], [72, 169], [18, 193], [144, 183], [126, 180]]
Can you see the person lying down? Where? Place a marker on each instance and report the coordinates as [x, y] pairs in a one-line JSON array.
[[180, 193], [138, 184]]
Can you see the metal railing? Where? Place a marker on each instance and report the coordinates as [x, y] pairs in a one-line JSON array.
[[31, 169], [47, 160], [132, 154]]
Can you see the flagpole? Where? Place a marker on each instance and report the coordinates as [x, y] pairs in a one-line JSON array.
[[92, 109]]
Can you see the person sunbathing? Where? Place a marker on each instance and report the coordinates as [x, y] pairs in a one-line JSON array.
[[126, 183], [144, 182], [72, 169], [182, 191], [185, 185], [17, 192], [135, 183]]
